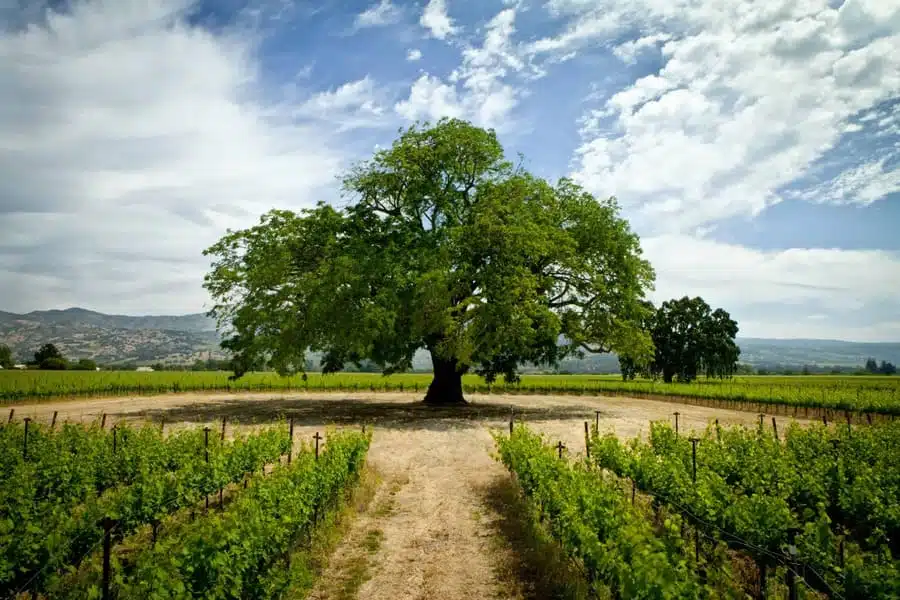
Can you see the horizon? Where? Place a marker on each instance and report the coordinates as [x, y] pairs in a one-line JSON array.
[[203, 314], [141, 130]]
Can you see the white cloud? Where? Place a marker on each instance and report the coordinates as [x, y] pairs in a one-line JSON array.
[[749, 98], [413, 54], [436, 20], [863, 185], [629, 51], [771, 293], [378, 15], [353, 105], [479, 89], [130, 141]]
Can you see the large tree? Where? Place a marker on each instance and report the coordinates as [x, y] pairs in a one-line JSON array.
[[690, 339], [443, 245]]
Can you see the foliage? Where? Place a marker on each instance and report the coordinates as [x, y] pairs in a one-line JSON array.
[[821, 489], [6, 358], [690, 338], [47, 352], [482, 264], [874, 394], [231, 554], [84, 364], [622, 555], [74, 478]]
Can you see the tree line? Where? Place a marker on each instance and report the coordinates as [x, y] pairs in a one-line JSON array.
[[48, 358]]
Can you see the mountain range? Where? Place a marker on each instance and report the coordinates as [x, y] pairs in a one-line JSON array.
[[81, 333]]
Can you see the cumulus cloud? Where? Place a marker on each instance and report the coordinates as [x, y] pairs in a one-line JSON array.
[[352, 105], [413, 54], [131, 140], [480, 88], [436, 20], [744, 104]]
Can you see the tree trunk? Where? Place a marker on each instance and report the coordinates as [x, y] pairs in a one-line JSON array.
[[446, 387]]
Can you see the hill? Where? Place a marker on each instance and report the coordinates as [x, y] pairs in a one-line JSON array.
[[81, 333]]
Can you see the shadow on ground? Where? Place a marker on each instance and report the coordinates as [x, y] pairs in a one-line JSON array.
[[536, 566], [346, 411]]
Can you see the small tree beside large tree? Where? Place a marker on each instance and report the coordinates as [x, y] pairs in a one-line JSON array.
[[689, 339], [443, 245]]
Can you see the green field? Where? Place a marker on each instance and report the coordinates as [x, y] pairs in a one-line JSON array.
[[873, 394]]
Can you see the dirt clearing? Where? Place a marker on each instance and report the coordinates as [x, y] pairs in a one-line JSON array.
[[430, 531]]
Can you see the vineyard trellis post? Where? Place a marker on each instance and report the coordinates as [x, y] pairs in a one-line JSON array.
[[587, 440], [718, 431], [53, 420], [676, 413], [12, 413], [560, 447], [115, 438], [761, 417], [206, 455], [317, 437], [224, 421], [25, 441], [775, 428], [791, 575], [597, 420], [694, 441], [103, 421], [291, 439]]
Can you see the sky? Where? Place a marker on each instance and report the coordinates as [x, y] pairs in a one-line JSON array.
[[754, 146]]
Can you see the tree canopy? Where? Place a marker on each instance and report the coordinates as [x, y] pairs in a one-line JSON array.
[[689, 338], [6, 357], [444, 245]]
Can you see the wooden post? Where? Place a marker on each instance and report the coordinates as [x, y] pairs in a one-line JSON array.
[[12, 413], [587, 440], [775, 428], [162, 426], [511, 424], [25, 441], [53, 420], [718, 431], [317, 437], [115, 433], [676, 413], [597, 420], [224, 419], [291, 436], [103, 421], [694, 441], [560, 446], [761, 417], [206, 453], [633, 488]]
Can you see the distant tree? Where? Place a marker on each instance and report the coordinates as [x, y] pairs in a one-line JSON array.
[[805, 370], [442, 244], [690, 338], [872, 366], [54, 364], [887, 368], [45, 352], [628, 367], [85, 364], [6, 357], [745, 369]]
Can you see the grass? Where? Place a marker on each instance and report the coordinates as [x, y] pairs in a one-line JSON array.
[[875, 394]]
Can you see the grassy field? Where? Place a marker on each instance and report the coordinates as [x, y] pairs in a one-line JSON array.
[[874, 394]]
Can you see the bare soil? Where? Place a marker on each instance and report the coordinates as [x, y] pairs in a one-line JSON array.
[[431, 530]]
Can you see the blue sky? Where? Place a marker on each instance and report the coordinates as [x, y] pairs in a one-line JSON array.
[[755, 147]]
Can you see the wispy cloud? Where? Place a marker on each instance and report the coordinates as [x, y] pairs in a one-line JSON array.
[[378, 15]]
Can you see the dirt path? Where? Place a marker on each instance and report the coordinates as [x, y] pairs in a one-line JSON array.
[[428, 533]]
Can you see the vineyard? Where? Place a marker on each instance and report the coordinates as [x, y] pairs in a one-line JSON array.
[[731, 513], [126, 512], [865, 394]]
